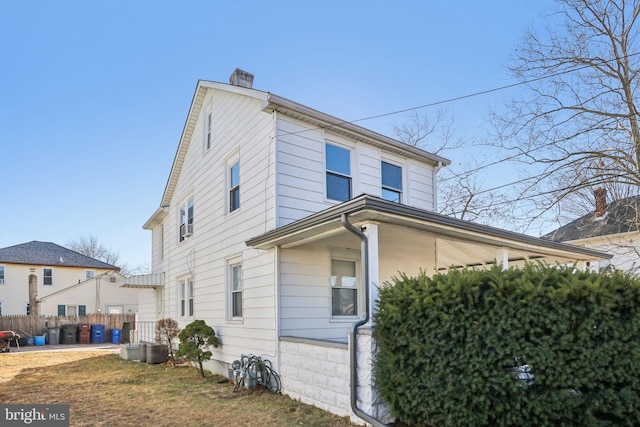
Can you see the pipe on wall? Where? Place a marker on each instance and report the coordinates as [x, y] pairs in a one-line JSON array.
[[353, 333]]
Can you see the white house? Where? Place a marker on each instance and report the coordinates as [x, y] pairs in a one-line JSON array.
[[104, 293], [60, 281], [279, 222]]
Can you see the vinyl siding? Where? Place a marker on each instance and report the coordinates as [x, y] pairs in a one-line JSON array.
[[420, 191], [305, 294], [15, 292], [301, 171], [240, 131]]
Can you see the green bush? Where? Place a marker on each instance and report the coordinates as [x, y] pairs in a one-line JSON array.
[[195, 340], [449, 347], [166, 331]]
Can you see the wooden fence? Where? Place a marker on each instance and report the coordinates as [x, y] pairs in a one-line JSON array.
[[37, 325]]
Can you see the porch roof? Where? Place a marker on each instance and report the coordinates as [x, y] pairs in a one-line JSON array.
[[458, 233], [144, 281]]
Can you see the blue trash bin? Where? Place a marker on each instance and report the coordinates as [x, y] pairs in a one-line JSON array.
[[97, 334], [115, 336]]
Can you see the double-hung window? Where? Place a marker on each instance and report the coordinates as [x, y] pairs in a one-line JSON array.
[[186, 220], [235, 290], [207, 137], [72, 310], [2, 282], [344, 288], [234, 186], [391, 182], [338, 163], [47, 276], [186, 297]]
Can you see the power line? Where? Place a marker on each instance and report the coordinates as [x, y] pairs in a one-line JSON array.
[[459, 98]]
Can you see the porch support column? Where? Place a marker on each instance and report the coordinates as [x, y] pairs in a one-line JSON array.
[[502, 258], [371, 231]]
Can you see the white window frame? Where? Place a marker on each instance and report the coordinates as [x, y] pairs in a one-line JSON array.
[[73, 307], [3, 280], [45, 277], [336, 173], [186, 297], [186, 219], [233, 192], [115, 309], [348, 256], [383, 187], [89, 274], [233, 292], [161, 241], [208, 130]]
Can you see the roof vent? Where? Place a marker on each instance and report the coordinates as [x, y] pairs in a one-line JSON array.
[[241, 78]]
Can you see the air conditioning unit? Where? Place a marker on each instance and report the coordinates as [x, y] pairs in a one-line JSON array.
[[189, 230], [1, 281]]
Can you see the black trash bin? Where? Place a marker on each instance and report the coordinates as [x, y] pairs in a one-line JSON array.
[[125, 338], [69, 334]]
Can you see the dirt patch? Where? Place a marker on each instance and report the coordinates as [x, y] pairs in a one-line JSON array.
[[15, 362]]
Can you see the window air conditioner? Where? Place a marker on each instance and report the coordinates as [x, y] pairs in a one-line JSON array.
[[189, 230], [1, 281]]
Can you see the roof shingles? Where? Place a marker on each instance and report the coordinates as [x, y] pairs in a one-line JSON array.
[[622, 216], [47, 253]]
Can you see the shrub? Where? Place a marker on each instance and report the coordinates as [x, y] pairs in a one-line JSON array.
[[166, 331], [195, 339], [456, 349]]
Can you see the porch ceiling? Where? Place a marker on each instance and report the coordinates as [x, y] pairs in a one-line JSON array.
[[458, 243]]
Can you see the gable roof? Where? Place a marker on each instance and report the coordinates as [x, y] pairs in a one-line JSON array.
[[371, 208], [271, 102], [47, 253], [622, 216]]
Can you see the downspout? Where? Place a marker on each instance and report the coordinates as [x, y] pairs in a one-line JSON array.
[[435, 186], [353, 333]]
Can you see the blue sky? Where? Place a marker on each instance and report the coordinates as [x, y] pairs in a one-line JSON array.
[[94, 95]]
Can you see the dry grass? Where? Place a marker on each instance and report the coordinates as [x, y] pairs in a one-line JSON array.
[[105, 390]]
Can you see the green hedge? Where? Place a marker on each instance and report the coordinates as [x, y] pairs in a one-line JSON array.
[[448, 346]]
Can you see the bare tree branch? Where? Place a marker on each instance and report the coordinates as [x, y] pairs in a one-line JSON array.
[[575, 128], [91, 247]]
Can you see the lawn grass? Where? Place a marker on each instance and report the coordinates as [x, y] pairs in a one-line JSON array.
[[106, 390]]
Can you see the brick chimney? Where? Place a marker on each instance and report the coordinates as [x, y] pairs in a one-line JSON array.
[[241, 78], [600, 195]]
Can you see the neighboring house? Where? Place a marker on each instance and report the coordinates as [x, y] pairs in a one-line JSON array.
[[613, 228], [61, 281], [279, 222], [104, 293]]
